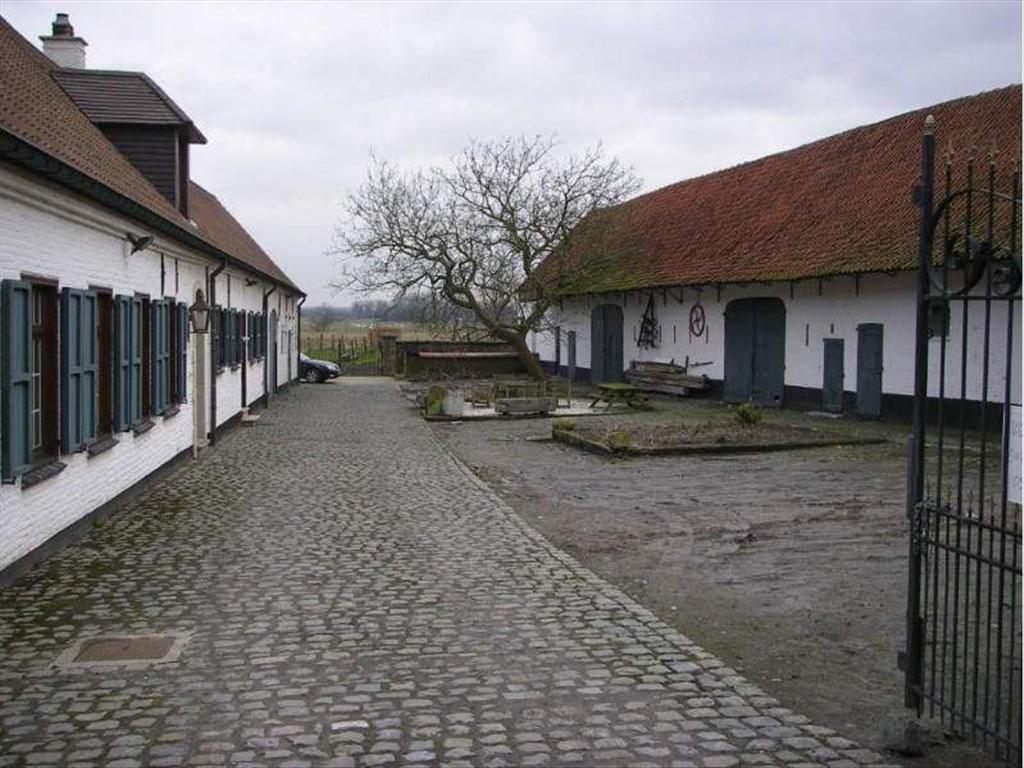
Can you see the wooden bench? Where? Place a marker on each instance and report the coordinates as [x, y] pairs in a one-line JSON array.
[[614, 392]]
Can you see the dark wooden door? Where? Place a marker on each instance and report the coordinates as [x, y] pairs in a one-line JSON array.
[[606, 344], [755, 351], [739, 351], [832, 376], [869, 370]]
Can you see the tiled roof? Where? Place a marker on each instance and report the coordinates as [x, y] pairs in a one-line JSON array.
[[36, 111], [841, 205], [123, 97], [227, 234]]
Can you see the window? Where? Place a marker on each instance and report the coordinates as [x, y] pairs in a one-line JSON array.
[[79, 368], [231, 338], [217, 323], [938, 318], [146, 360], [159, 356], [28, 375], [250, 347], [128, 373], [105, 383], [258, 334], [240, 337], [179, 352]]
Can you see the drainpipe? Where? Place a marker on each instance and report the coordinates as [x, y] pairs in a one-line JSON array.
[[266, 333], [298, 334], [212, 293]]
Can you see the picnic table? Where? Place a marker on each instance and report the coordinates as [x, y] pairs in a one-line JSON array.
[[615, 392]]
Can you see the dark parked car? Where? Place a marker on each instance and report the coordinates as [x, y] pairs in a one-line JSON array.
[[315, 371]]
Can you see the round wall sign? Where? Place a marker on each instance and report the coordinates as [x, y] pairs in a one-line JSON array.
[[698, 323]]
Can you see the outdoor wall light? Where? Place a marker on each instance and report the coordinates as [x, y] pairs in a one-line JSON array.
[[199, 313], [139, 242]]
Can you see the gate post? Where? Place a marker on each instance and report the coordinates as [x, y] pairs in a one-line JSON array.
[[915, 640]]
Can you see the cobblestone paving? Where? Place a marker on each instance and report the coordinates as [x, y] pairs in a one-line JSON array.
[[355, 598]]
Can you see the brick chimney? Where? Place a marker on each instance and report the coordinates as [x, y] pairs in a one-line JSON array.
[[63, 48]]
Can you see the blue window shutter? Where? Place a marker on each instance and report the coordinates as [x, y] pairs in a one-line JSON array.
[[240, 340], [220, 334], [232, 327], [225, 336], [154, 356], [165, 352], [135, 355], [122, 363], [16, 376], [252, 336], [160, 355], [71, 437], [90, 366], [182, 351]]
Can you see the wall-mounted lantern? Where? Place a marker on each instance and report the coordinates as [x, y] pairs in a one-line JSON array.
[[199, 313]]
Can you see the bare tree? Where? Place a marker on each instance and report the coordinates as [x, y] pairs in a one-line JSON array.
[[472, 236]]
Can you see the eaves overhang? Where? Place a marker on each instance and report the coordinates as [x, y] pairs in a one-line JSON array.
[[25, 154]]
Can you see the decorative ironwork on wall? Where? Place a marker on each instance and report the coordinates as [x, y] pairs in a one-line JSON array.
[[650, 329], [698, 321]]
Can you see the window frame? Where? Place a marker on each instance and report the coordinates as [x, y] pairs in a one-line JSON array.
[[47, 330], [105, 421]]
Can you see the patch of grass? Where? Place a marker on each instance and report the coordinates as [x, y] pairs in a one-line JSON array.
[[749, 414], [433, 401], [619, 440], [567, 425]]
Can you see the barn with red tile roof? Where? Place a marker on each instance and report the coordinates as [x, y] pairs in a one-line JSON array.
[[787, 279]]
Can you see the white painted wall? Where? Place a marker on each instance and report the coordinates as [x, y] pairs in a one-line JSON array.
[[48, 232], [810, 318]]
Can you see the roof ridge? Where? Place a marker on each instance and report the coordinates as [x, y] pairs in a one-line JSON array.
[[47, 132], [830, 137]]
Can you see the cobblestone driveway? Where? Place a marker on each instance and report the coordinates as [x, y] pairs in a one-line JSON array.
[[355, 597]]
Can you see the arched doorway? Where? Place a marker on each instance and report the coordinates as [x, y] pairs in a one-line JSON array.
[[755, 351], [272, 354], [606, 344]]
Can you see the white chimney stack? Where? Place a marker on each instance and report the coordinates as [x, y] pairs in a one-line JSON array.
[[63, 48]]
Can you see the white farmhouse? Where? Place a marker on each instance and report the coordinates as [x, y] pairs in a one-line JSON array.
[[108, 254], [791, 279]]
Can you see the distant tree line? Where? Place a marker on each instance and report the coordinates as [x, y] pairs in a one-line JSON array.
[[408, 308]]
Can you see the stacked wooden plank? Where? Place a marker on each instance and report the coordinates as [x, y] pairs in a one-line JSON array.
[[666, 378]]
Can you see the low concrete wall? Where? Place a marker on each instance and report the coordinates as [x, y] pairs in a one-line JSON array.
[[450, 359]]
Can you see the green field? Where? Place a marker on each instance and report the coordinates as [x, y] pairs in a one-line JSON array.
[[356, 341]]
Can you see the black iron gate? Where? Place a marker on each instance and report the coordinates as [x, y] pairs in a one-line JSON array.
[[963, 654]]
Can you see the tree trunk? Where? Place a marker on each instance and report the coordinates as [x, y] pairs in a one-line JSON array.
[[526, 357]]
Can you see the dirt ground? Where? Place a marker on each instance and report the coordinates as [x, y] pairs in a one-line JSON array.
[[791, 566]]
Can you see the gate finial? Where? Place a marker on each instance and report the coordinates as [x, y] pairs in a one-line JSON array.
[[929, 125]]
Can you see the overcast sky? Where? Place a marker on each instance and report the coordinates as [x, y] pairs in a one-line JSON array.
[[292, 96]]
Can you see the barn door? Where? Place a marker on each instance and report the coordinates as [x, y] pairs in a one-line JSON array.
[[869, 370], [606, 344], [769, 352], [832, 376], [739, 350], [755, 351]]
